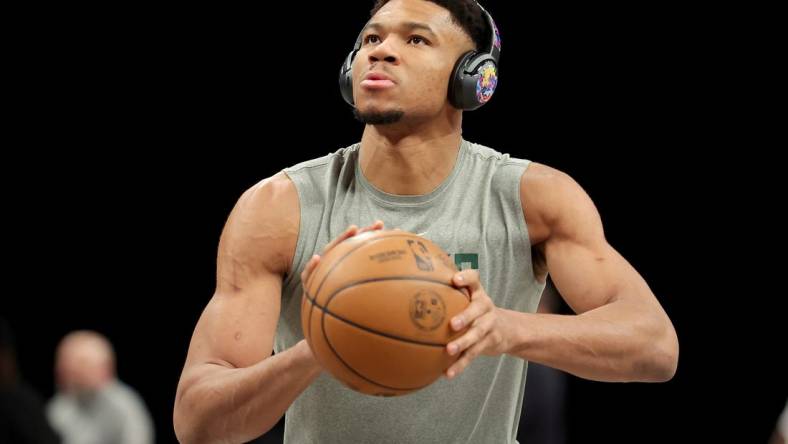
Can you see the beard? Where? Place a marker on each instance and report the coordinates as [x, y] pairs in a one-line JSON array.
[[378, 117]]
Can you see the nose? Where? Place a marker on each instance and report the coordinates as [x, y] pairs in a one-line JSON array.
[[384, 51]]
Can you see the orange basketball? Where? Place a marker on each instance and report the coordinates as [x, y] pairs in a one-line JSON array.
[[376, 312]]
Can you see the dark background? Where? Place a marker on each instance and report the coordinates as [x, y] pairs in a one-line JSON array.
[[136, 129]]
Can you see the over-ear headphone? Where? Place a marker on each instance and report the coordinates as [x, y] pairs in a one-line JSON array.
[[472, 82]]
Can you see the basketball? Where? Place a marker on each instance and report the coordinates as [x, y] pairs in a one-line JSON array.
[[376, 312]]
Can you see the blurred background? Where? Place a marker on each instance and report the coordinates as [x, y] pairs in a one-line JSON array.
[[133, 130]]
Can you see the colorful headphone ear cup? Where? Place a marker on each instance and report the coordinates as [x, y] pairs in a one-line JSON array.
[[474, 81], [486, 81]]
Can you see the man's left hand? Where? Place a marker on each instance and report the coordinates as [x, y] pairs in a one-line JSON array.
[[487, 332]]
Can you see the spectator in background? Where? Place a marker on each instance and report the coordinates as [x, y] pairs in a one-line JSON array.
[[92, 406], [22, 417], [543, 420]]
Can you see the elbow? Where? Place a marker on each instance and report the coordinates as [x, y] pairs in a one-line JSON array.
[[665, 367], [180, 424], [196, 421], [185, 421], [181, 434], [186, 429], [664, 358]]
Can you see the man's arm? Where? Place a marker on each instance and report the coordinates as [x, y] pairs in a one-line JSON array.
[[621, 332], [231, 388]]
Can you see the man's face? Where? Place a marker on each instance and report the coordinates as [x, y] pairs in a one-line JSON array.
[[409, 48], [81, 368]]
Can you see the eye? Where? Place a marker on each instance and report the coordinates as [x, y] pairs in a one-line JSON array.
[[416, 39], [372, 38]]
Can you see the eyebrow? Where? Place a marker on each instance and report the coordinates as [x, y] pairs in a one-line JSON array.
[[409, 26]]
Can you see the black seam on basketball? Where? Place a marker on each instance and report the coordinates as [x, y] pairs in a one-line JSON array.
[[306, 286], [366, 242], [369, 330], [380, 333], [364, 281], [394, 278], [310, 313], [356, 372], [311, 277]]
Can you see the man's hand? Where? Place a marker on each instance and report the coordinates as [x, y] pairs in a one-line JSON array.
[[348, 233], [486, 334]]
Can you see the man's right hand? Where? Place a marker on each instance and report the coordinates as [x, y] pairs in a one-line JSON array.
[[348, 233]]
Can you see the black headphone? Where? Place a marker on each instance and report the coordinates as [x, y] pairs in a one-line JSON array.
[[472, 82]]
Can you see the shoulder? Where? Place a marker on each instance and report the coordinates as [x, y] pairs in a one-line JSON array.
[[262, 229], [266, 204], [312, 177], [58, 407], [277, 190], [502, 169], [540, 179], [555, 204], [486, 154]]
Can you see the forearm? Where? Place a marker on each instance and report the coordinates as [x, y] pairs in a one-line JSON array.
[[220, 404], [615, 342]]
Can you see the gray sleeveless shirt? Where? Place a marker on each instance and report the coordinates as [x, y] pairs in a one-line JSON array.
[[476, 216]]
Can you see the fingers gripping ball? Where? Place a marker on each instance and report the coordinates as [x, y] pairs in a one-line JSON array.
[[376, 312]]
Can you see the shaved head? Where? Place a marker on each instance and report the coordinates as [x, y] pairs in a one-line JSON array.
[[85, 361]]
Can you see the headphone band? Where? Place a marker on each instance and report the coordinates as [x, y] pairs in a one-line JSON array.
[[494, 40]]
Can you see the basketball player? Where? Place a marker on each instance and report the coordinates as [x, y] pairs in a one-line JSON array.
[[507, 222]]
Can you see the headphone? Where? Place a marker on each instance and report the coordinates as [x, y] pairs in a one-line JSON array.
[[472, 82]]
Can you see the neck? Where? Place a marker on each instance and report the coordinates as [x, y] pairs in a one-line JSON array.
[[407, 159]]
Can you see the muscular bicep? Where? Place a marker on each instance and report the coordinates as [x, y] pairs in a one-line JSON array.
[[587, 271], [238, 325], [590, 273], [237, 328]]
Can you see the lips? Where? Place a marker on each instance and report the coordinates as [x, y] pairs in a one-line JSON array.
[[377, 80], [377, 76]]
